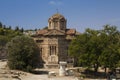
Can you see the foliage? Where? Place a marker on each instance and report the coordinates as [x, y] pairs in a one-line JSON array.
[[96, 48], [110, 55], [23, 53], [1, 25], [16, 28], [6, 34], [46, 27]]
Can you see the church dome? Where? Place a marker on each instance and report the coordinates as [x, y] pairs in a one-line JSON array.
[[57, 15], [57, 21]]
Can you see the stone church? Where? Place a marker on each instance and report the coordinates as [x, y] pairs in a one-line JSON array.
[[54, 41]]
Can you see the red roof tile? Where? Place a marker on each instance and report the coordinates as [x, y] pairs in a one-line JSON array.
[[41, 32], [70, 31]]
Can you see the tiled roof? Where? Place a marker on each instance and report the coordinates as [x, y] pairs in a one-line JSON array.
[[57, 15], [57, 32], [70, 31], [41, 32]]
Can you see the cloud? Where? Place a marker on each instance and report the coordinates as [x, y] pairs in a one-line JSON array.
[[52, 2], [55, 3]]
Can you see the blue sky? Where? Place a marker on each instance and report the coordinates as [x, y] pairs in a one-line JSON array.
[[80, 14]]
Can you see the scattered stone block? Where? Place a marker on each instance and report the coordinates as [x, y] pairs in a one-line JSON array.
[[51, 73], [62, 71]]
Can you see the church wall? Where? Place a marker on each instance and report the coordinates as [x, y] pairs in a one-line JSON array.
[[62, 49], [48, 53]]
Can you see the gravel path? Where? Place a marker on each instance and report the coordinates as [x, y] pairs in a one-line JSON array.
[[7, 75], [45, 77]]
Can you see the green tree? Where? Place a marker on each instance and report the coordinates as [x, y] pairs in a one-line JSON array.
[[2, 31], [9, 27], [85, 47], [23, 53], [76, 49], [3, 40], [6, 34], [1, 25], [4, 26], [46, 27], [22, 30], [110, 55], [96, 48], [16, 28]]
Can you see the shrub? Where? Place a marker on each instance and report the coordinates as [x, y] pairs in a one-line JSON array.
[[22, 53]]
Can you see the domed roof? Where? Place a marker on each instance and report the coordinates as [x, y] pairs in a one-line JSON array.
[[57, 15]]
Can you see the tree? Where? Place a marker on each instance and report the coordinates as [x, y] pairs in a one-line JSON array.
[[96, 48], [111, 52], [6, 34], [16, 28], [2, 31], [3, 41], [35, 29], [23, 53], [4, 26], [1, 25], [85, 47], [9, 27], [76, 49], [22, 30], [46, 27]]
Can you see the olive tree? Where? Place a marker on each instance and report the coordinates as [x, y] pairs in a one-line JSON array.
[[22, 53]]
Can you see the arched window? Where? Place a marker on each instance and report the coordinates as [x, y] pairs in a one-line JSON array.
[[62, 23], [55, 21], [52, 50]]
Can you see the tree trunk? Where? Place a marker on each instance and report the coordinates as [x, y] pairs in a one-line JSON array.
[[96, 67], [105, 69]]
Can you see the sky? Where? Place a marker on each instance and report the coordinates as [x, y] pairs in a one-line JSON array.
[[80, 14]]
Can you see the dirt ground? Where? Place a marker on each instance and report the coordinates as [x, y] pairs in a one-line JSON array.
[[40, 74]]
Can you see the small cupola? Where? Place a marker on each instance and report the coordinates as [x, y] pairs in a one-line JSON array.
[[57, 21]]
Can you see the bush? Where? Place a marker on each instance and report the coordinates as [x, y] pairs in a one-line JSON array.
[[22, 53]]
